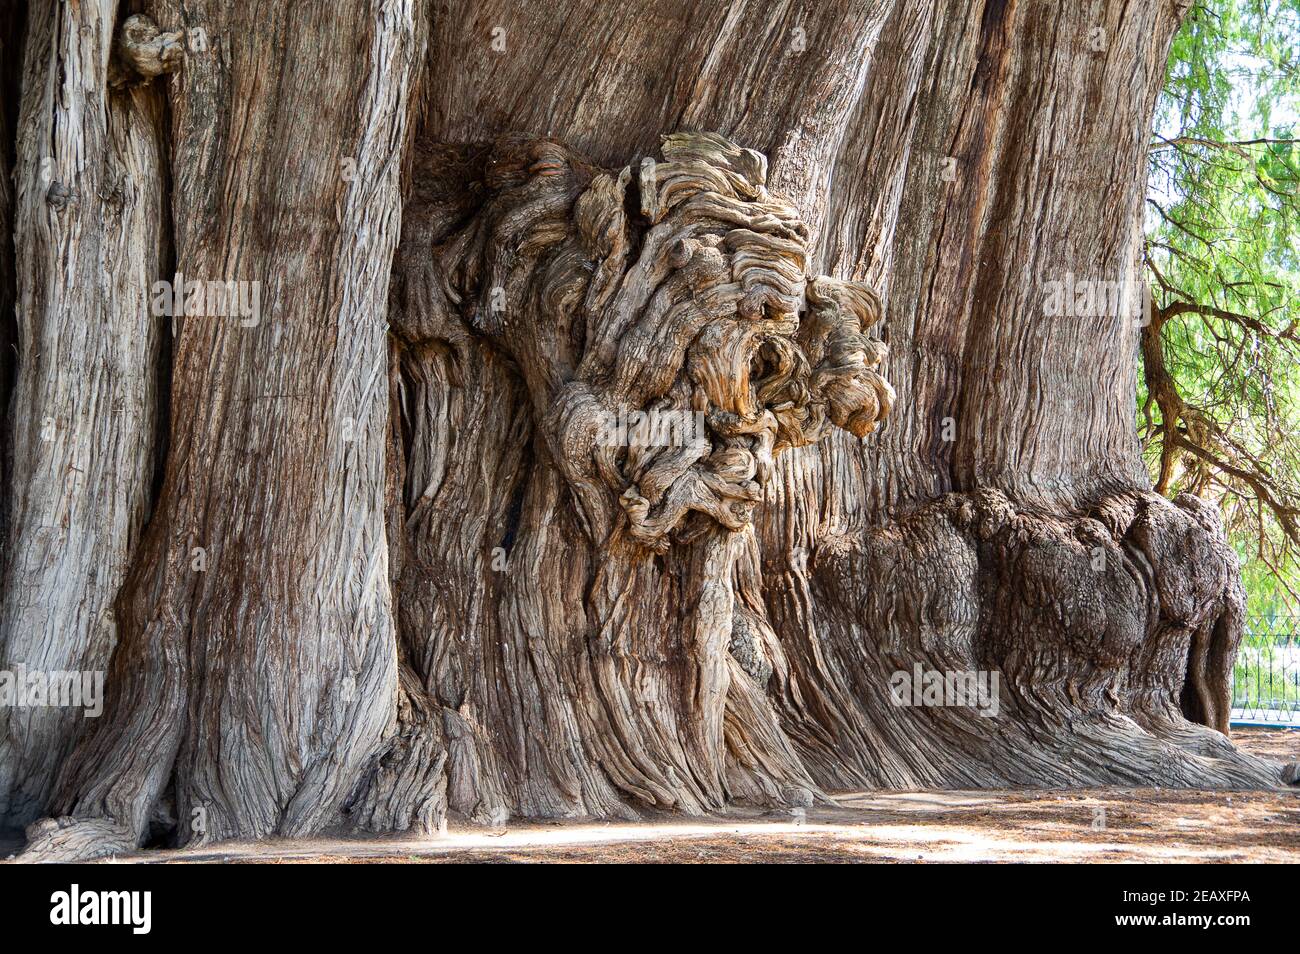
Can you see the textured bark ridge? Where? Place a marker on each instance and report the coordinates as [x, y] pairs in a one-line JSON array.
[[255, 676], [1107, 630], [621, 640], [89, 219], [628, 351], [586, 511]]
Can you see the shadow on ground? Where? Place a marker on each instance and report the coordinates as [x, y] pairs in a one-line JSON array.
[[1158, 825]]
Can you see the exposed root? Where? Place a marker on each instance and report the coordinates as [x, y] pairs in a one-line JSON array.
[[594, 618], [66, 839]]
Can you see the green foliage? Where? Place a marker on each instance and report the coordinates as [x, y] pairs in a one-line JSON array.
[[1223, 253]]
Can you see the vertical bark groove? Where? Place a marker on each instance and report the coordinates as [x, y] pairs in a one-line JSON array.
[[436, 583], [89, 211], [275, 652], [12, 21]]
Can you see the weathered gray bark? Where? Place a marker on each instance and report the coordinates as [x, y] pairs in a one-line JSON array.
[[257, 670], [89, 231], [432, 586], [1029, 544], [12, 20]]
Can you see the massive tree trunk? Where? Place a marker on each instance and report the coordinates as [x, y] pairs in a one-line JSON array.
[[425, 549], [89, 224], [11, 31], [256, 668]]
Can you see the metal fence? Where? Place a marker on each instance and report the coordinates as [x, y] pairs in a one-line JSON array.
[[1266, 675]]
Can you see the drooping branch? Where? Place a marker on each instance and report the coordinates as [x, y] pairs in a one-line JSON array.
[[1186, 428]]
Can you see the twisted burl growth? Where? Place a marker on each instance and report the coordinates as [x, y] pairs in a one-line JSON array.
[[142, 52], [594, 372], [641, 649], [669, 294], [661, 329]]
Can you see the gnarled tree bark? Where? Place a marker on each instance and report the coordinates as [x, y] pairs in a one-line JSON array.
[[438, 580], [89, 230]]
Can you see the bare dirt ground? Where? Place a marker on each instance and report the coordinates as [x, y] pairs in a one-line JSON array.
[[1281, 745], [1023, 826]]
